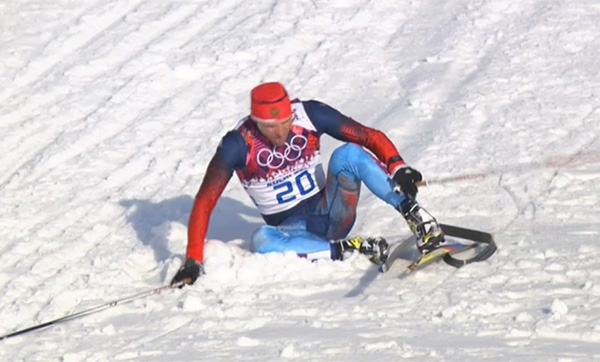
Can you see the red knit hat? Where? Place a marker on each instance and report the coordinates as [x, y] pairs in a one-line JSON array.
[[270, 103]]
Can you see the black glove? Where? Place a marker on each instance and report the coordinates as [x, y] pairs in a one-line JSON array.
[[406, 177], [188, 273]]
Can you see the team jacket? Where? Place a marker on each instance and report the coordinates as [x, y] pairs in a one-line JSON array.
[[279, 180]]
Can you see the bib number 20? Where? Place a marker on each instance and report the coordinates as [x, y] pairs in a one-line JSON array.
[[303, 183]]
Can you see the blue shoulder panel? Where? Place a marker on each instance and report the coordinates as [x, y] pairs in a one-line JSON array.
[[326, 118], [232, 150]]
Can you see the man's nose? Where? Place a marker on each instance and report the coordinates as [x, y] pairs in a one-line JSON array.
[[279, 131]]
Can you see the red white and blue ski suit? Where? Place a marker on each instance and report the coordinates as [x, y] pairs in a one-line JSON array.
[[302, 207]]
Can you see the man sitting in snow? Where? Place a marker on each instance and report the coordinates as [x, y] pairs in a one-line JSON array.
[[275, 152]]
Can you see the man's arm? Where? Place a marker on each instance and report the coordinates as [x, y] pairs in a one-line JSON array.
[[230, 155], [332, 122], [216, 178], [343, 128]]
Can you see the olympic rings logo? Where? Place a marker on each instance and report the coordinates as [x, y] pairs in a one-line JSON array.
[[275, 159]]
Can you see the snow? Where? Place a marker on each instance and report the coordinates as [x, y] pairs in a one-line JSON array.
[[110, 111]]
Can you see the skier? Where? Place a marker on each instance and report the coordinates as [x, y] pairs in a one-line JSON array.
[[275, 152]]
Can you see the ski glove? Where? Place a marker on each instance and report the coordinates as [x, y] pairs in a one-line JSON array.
[[188, 273], [406, 177]]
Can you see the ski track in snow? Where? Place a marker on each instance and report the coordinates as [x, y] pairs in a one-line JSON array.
[[111, 110]]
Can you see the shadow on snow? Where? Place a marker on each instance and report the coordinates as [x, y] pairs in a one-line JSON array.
[[152, 221]]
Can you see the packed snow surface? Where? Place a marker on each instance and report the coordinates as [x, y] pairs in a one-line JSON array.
[[110, 111]]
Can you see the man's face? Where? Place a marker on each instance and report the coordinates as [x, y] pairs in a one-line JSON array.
[[276, 132]]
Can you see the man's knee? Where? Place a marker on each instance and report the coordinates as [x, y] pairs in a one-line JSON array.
[[262, 240], [346, 152], [345, 164]]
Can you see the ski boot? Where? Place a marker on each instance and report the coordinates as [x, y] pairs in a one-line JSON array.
[[425, 227], [375, 248]]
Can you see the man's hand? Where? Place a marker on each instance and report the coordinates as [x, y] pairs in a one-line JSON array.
[[406, 177], [188, 273]]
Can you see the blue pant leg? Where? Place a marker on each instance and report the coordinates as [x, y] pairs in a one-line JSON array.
[[290, 236], [350, 165]]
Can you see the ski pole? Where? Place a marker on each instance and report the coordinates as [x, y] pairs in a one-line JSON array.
[[92, 310], [554, 162]]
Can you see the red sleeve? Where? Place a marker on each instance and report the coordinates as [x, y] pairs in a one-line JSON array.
[[374, 140], [216, 178]]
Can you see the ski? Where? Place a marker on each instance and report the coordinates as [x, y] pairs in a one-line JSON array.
[[394, 252], [436, 255], [478, 240]]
